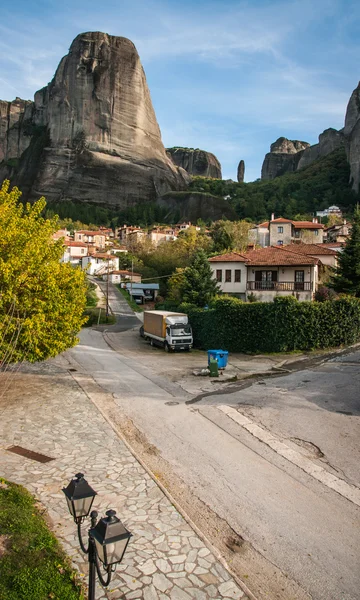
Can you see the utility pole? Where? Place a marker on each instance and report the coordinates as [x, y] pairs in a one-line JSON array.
[[132, 274]]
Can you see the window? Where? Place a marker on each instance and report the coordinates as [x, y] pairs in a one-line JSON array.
[[80, 236], [280, 243], [82, 250], [237, 275], [297, 233], [228, 275], [219, 275], [280, 230], [316, 232]]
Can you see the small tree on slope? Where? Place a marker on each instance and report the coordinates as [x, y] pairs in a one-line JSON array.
[[41, 300], [199, 285], [347, 275]]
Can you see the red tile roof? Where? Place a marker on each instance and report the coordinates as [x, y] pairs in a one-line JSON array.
[[74, 244], [84, 232], [307, 225], [230, 257], [310, 249], [278, 256]]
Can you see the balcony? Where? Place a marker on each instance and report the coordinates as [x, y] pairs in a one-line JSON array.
[[280, 286]]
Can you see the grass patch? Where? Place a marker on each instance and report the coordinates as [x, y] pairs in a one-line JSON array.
[[93, 317], [129, 300], [32, 564]]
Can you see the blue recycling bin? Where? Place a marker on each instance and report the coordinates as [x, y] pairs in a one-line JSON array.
[[221, 357]]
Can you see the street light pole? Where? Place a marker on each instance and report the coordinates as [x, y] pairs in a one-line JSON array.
[[107, 538]]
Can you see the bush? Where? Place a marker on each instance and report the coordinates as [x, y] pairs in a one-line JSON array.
[[324, 293], [280, 326]]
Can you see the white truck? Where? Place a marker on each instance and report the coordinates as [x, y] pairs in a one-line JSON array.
[[170, 330]]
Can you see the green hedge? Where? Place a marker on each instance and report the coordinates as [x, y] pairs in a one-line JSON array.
[[280, 326]]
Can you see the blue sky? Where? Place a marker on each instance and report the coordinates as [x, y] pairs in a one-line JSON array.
[[227, 76]]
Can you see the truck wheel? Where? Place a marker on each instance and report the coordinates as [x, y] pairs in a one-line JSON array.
[[141, 331], [151, 342], [167, 349]]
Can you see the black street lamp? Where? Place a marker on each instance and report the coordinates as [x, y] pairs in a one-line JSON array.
[[107, 538]]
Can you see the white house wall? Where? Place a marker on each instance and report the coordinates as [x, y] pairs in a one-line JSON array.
[[231, 287]]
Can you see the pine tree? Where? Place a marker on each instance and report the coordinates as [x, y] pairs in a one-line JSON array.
[[347, 275], [199, 285]]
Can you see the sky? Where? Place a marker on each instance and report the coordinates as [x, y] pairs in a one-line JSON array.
[[226, 76]]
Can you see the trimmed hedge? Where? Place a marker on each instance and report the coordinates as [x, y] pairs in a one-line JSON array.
[[280, 326]]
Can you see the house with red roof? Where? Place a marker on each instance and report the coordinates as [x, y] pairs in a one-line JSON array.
[[267, 273], [280, 232]]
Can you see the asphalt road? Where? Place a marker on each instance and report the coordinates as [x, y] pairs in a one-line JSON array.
[[302, 537], [125, 316]]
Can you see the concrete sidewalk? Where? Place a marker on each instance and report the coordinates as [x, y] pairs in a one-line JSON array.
[[47, 412]]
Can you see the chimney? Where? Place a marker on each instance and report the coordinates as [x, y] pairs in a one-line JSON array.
[[315, 220], [272, 216]]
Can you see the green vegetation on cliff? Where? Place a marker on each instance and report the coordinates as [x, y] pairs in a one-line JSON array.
[[321, 184]]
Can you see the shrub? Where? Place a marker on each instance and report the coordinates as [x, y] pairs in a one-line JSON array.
[[280, 326]]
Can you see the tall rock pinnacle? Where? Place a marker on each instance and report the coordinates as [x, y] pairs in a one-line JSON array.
[[92, 132], [241, 172]]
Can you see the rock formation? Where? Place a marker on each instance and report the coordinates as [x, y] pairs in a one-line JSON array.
[[283, 157], [287, 156], [91, 135], [196, 162], [196, 205], [241, 172], [352, 137]]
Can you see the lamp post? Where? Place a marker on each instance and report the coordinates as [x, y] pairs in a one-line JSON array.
[[107, 538]]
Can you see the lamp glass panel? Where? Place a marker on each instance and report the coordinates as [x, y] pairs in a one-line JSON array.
[[82, 506], [100, 551], [70, 506], [115, 551]]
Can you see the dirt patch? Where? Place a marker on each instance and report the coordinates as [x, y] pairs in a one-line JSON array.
[[4, 544]]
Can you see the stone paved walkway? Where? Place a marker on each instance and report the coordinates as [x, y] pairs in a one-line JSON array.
[[45, 411]]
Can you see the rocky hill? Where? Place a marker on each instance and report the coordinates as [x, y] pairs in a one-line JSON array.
[[91, 135], [196, 161], [288, 156], [352, 137]]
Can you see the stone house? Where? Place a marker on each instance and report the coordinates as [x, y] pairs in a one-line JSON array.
[[280, 232]]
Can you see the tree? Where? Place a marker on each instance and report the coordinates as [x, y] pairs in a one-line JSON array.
[[176, 285], [41, 300], [347, 274], [199, 285], [230, 235]]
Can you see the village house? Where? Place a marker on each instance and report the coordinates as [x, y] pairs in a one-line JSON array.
[[159, 235], [338, 233], [74, 252], [279, 232], [95, 239], [129, 231], [61, 233], [99, 263], [267, 273], [122, 276], [332, 210]]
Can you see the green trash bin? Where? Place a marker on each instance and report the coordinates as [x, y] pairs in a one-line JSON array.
[[213, 367]]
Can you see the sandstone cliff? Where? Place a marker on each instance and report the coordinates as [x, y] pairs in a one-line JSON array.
[[196, 162], [241, 172], [287, 156], [195, 205], [352, 137], [91, 135]]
